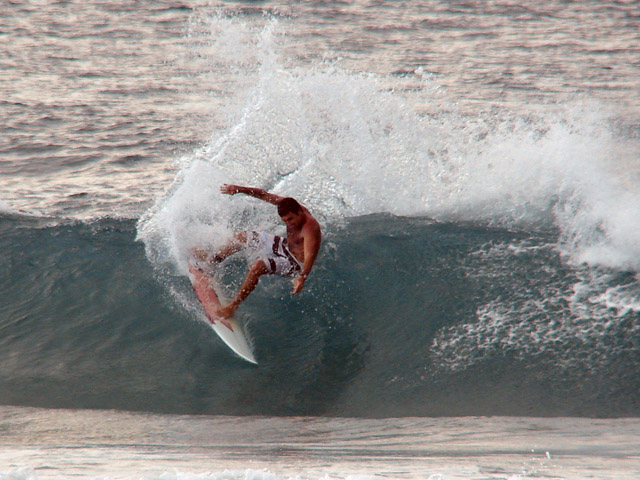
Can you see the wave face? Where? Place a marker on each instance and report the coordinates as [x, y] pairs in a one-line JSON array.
[[401, 317]]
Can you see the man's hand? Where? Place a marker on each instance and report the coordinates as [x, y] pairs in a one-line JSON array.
[[229, 189], [298, 283]]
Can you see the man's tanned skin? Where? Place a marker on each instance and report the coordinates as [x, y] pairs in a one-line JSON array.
[[303, 242]]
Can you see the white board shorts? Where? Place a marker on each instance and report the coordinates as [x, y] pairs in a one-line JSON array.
[[275, 254]]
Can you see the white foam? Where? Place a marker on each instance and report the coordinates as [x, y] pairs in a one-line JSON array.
[[346, 145], [579, 327], [248, 474], [22, 473], [4, 207], [7, 209], [224, 475]]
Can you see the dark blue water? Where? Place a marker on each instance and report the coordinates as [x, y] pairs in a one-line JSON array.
[[401, 317]]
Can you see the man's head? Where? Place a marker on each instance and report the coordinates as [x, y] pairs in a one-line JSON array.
[[289, 205], [290, 211]]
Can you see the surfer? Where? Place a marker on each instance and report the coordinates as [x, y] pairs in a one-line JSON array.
[[293, 256]]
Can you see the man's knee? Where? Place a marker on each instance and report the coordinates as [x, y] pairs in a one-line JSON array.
[[240, 237], [259, 268]]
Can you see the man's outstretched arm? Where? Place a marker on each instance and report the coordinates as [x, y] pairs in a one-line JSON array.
[[251, 191]]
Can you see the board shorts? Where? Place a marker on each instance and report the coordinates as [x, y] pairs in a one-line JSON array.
[[275, 254]]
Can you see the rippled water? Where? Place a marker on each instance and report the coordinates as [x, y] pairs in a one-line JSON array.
[[97, 102]]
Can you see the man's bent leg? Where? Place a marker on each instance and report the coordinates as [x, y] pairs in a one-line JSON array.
[[236, 244], [255, 272], [238, 241]]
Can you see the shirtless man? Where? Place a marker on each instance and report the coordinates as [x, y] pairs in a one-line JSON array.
[[290, 257]]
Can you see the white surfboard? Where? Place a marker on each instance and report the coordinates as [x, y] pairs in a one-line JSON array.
[[228, 329]]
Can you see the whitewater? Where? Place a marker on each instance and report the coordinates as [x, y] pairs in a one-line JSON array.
[[475, 308]]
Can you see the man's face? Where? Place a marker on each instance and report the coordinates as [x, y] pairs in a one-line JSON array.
[[292, 219]]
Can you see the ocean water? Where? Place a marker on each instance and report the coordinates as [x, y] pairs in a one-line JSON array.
[[475, 309]]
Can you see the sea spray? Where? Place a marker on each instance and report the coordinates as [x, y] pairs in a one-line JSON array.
[[346, 146]]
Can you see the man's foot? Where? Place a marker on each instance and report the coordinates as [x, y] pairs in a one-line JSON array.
[[228, 311]]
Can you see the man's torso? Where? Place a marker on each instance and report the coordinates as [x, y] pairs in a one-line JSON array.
[[296, 236]]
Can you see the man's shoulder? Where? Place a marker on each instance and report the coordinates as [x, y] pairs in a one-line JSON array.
[[311, 226]]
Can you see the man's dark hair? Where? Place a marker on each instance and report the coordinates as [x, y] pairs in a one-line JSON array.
[[288, 205]]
